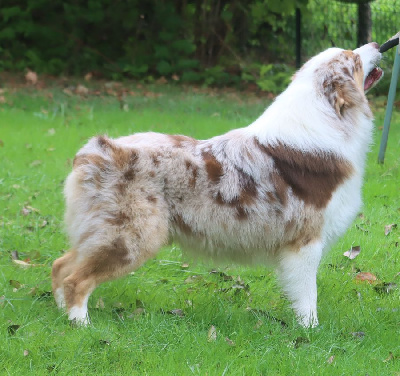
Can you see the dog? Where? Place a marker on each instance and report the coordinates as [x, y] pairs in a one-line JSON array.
[[278, 192]]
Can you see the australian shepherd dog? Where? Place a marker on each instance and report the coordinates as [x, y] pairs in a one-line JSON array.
[[278, 192]]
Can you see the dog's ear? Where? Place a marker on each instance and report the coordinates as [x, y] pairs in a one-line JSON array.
[[342, 93], [343, 82]]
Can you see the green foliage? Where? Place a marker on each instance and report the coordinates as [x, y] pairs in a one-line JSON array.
[[197, 41], [273, 78]]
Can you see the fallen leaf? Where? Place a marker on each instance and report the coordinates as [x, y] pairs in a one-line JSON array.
[[365, 276], [21, 263], [31, 77], [25, 264], [185, 266], [162, 80], [389, 358], [138, 312], [25, 211], [15, 284], [175, 77], [229, 341], [176, 312], [353, 252], [81, 90], [43, 224], [212, 334], [35, 163], [358, 334], [68, 92], [12, 329], [88, 76], [51, 132], [389, 228], [331, 359], [224, 276], [31, 208], [33, 291], [26, 352], [193, 278]]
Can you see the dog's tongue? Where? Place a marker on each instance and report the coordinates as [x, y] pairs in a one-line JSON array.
[[373, 76]]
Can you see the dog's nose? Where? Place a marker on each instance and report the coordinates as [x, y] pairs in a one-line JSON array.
[[374, 44]]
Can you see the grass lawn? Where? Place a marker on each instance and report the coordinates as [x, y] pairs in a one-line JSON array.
[[174, 317]]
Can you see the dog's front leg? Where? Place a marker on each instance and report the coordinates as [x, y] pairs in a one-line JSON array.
[[297, 271]]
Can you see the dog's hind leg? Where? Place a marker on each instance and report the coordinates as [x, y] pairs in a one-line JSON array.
[[119, 257], [62, 268], [297, 272]]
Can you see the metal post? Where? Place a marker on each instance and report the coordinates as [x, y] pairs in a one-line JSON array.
[[389, 107]]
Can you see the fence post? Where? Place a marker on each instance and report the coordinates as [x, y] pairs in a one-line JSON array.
[[389, 106]]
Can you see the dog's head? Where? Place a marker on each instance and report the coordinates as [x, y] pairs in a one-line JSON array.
[[344, 76]]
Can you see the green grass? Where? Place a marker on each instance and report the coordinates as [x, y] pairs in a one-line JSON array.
[[40, 134]]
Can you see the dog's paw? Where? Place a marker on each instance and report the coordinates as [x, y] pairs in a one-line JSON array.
[[308, 321], [78, 316]]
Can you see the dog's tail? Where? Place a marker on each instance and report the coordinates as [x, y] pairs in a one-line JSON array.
[[90, 187]]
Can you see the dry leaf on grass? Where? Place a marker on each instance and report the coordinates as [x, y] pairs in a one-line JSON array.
[[365, 276], [330, 359], [390, 358], [26, 352], [176, 312], [389, 228], [16, 284], [353, 252], [35, 163], [229, 341], [24, 264], [212, 334], [31, 77], [81, 90], [358, 334]]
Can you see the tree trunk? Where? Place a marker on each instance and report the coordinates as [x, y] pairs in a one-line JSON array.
[[364, 24]]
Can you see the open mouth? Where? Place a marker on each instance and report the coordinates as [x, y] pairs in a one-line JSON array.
[[373, 77]]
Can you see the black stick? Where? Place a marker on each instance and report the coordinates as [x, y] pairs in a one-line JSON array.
[[393, 41]]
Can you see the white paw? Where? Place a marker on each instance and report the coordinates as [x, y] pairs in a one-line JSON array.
[[308, 321], [79, 315]]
